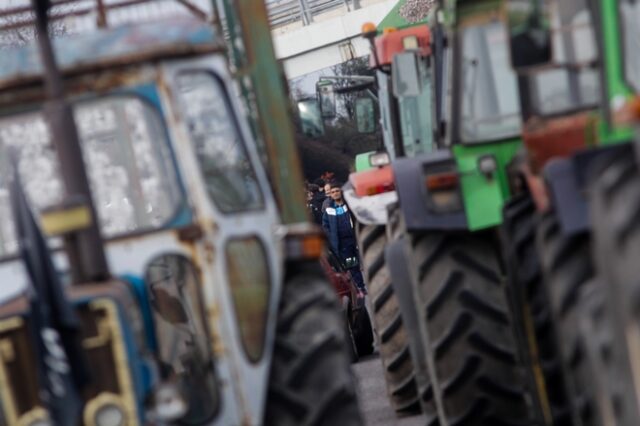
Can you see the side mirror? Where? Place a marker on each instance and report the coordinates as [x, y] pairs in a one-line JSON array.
[[327, 96], [365, 115], [406, 76], [311, 118], [529, 33]]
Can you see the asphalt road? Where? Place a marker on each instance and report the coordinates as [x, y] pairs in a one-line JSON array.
[[372, 395]]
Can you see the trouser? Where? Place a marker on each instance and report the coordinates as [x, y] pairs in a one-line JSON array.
[[351, 250]]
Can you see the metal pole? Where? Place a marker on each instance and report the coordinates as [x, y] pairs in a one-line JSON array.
[[356, 4], [102, 14], [307, 17], [274, 121], [87, 259]]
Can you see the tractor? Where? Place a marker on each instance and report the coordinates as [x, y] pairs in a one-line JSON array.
[[175, 217], [563, 230], [429, 221]]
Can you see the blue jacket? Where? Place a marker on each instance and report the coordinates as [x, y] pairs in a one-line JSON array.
[[338, 225]]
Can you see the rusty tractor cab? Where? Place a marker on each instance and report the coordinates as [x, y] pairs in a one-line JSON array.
[[573, 83], [206, 261]]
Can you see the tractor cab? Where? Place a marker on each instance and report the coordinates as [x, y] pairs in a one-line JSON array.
[[168, 158], [475, 122], [404, 72], [572, 96], [406, 97], [182, 325], [560, 81]]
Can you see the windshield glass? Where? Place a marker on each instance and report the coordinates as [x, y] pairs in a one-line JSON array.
[[125, 147], [574, 83], [490, 107], [230, 179], [629, 18]]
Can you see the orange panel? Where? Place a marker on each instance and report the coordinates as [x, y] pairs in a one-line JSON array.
[[387, 45], [558, 137], [365, 183]]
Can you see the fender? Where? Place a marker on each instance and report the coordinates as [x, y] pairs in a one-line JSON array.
[[414, 197], [369, 210], [406, 289], [568, 180]]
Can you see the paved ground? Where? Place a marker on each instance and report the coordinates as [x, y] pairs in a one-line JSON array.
[[373, 395]]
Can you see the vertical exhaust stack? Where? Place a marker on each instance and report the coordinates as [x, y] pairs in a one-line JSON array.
[[83, 243]]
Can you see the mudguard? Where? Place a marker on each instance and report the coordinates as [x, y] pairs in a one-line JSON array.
[[568, 179], [369, 210], [396, 258], [413, 194]]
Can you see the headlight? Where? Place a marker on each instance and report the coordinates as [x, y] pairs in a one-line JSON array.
[[379, 159], [487, 164], [410, 43], [109, 415]]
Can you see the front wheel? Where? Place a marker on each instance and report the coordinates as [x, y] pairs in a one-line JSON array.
[[311, 381], [392, 335]]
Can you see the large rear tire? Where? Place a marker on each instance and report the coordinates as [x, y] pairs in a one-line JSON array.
[[311, 381], [532, 313], [472, 340], [392, 338], [615, 210], [567, 269]]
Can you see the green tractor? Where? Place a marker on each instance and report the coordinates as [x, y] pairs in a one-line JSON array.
[[431, 249], [193, 277], [567, 229]]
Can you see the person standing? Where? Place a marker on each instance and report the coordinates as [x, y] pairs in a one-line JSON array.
[[327, 194], [315, 198], [338, 225]]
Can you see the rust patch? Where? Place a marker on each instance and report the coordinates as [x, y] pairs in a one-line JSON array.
[[190, 233], [213, 313], [112, 64], [100, 83]]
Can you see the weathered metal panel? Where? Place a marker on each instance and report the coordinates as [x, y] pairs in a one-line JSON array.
[[131, 42], [258, 63]]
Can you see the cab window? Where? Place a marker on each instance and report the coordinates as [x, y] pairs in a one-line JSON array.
[[488, 91], [629, 18], [126, 151], [574, 83], [215, 136]]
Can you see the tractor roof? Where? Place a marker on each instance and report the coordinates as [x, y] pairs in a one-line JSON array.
[[395, 20], [112, 47]]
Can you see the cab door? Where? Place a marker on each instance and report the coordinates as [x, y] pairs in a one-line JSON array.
[[238, 248]]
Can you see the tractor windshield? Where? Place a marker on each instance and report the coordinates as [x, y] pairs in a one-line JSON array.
[[573, 83], [125, 147], [629, 18], [488, 90]]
